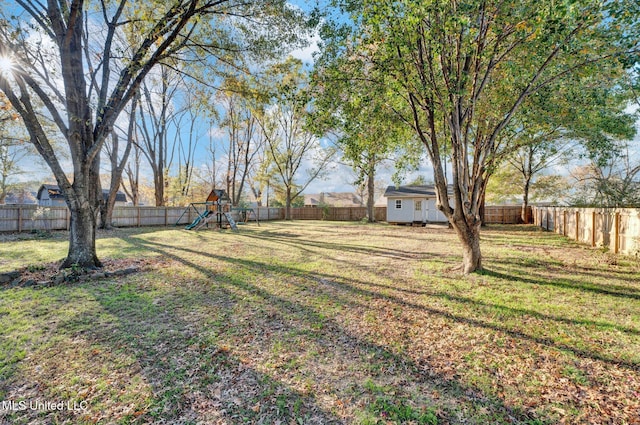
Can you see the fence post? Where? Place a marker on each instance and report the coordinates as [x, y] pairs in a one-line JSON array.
[[166, 217], [540, 216], [593, 229], [138, 214], [19, 219], [547, 217], [616, 233], [578, 225], [564, 223]]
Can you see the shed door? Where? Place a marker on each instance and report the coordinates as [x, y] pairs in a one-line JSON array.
[[417, 210]]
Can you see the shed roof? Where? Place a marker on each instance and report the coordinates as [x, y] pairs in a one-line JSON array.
[[426, 191]]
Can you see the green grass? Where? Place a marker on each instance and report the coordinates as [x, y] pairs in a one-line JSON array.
[[323, 323]]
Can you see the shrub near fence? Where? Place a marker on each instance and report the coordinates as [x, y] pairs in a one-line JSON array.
[[615, 228]]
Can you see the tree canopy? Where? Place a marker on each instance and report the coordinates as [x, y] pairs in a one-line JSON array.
[[459, 72]]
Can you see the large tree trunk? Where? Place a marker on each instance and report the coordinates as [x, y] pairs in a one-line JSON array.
[[470, 239], [371, 197], [159, 185], [83, 199], [82, 240], [287, 209], [525, 202]]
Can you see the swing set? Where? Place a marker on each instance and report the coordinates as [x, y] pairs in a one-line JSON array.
[[213, 212]]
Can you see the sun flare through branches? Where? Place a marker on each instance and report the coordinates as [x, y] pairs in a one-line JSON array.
[[6, 64]]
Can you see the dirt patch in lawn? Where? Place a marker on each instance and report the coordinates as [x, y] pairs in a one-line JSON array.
[[50, 274]]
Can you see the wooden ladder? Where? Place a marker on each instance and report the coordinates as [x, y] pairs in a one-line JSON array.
[[231, 221]]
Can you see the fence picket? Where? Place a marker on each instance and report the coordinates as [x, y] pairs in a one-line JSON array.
[[616, 229]]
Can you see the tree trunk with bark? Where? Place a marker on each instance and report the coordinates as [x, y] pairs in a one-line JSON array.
[[82, 240], [287, 210], [117, 168], [524, 215], [469, 236], [371, 197]]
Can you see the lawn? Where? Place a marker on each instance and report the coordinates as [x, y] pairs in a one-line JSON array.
[[323, 323]]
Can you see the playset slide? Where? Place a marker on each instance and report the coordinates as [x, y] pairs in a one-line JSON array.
[[197, 220]]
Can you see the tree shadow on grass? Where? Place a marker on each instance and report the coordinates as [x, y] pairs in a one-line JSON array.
[[360, 287], [419, 372], [303, 244], [352, 355], [524, 313], [619, 291], [138, 359]]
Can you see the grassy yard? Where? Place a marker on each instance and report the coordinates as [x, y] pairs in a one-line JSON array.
[[324, 323]]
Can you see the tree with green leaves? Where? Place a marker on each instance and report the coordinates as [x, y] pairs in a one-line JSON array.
[[561, 122], [71, 57], [458, 73], [355, 116], [294, 152]]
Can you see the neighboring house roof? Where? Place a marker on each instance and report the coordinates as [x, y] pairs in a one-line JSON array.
[[381, 201], [424, 191], [21, 197], [55, 193], [120, 196], [333, 199]]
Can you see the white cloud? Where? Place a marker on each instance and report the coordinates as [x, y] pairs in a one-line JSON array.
[[305, 54]]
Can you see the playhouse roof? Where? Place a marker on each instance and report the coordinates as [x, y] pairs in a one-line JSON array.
[[218, 194]]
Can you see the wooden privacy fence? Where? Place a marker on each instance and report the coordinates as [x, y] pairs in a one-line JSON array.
[[503, 214], [615, 228], [20, 218], [337, 213]]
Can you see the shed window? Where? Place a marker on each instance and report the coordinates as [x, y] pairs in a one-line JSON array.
[[398, 204]]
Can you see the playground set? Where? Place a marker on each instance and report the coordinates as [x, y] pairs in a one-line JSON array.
[[216, 212]]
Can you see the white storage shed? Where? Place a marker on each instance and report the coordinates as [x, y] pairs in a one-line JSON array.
[[413, 204]]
